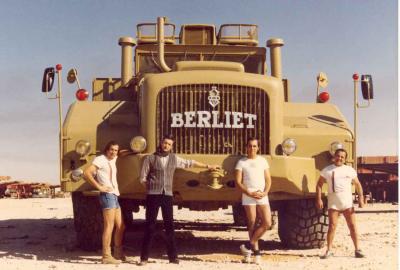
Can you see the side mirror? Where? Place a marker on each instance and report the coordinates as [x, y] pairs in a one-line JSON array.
[[48, 79], [367, 87]]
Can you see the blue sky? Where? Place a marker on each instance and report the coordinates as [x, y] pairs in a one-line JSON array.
[[337, 37]]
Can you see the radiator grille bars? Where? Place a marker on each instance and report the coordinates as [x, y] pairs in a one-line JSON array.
[[214, 140]]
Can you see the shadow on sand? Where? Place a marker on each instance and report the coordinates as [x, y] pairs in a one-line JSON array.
[[54, 240]]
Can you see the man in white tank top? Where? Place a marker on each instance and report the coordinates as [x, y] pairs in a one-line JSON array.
[[339, 178]]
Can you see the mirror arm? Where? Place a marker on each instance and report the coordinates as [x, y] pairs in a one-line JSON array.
[[364, 106], [77, 80], [48, 97]]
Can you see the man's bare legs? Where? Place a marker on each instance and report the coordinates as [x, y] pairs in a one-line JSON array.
[[256, 231], [119, 228], [264, 213], [333, 220], [118, 235], [251, 214], [109, 221], [350, 217]]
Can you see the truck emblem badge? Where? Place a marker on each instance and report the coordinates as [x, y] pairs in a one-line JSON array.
[[213, 97]]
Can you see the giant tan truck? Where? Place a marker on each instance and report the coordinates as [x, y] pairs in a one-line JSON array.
[[212, 92]]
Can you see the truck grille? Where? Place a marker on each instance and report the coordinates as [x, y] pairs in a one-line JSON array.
[[200, 140]]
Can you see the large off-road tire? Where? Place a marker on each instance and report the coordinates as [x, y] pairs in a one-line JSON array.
[[88, 220], [301, 225], [239, 216]]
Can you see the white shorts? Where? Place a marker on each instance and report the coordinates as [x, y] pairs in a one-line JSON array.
[[340, 201], [246, 200]]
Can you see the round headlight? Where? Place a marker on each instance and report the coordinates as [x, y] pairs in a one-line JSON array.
[[82, 147], [289, 146], [335, 146], [138, 144]]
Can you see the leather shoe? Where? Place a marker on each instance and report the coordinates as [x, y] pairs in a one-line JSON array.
[[142, 262], [174, 261]]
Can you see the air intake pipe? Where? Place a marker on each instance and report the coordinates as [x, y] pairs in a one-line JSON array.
[[275, 45], [126, 43]]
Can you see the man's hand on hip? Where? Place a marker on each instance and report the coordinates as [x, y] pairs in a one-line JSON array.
[[105, 188]]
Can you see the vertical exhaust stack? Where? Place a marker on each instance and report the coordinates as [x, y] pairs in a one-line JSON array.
[[126, 43], [161, 42], [275, 45]]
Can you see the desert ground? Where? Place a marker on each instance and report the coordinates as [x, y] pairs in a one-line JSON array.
[[39, 234]]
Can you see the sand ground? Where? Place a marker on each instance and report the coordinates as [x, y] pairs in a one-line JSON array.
[[39, 234]]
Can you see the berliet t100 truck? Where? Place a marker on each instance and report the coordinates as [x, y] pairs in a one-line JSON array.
[[210, 91]]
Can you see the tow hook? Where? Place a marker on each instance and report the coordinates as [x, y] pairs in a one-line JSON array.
[[215, 176]]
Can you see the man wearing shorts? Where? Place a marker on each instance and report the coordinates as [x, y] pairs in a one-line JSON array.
[[339, 178], [105, 171], [254, 180]]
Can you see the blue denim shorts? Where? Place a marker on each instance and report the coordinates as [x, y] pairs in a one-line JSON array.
[[108, 200]]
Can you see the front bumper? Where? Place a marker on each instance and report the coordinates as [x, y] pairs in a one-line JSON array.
[[292, 177]]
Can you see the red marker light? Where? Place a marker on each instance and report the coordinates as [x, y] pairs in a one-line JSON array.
[[59, 67], [82, 94], [355, 76], [323, 97]]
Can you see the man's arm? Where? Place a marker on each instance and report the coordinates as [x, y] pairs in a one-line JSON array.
[[267, 176], [144, 172], [89, 172], [206, 166], [359, 191], [318, 201], [187, 163], [124, 152]]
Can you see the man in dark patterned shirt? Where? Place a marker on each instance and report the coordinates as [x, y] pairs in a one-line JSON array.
[[157, 175]]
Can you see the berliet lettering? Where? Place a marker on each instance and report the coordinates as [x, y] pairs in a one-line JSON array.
[[206, 119]]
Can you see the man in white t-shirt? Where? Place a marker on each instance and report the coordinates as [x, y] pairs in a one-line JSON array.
[[105, 171], [339, 178], [254, 180]]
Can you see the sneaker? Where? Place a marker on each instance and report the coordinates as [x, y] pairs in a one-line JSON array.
[[142, 263], [246, 250], [358, 254], [327, 255], [246, 259], [257, 259]]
